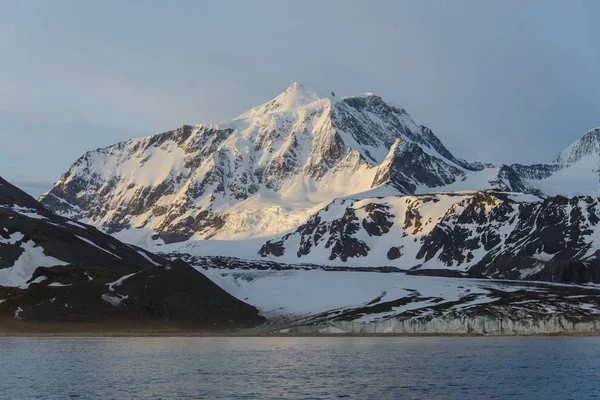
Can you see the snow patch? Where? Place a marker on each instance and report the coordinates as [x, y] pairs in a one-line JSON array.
[[119, 281], [114, 300], [58, 284], [32, 257], [13, 238]]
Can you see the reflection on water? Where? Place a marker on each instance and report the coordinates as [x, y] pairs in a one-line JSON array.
[[300, 368]]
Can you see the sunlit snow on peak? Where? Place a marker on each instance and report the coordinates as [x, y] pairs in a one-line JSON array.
[[297, 95]]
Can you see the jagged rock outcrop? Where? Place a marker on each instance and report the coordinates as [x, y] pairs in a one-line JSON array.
[[408, 165]]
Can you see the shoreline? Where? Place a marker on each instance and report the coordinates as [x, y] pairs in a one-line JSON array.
[[280, 329], [240, 334]]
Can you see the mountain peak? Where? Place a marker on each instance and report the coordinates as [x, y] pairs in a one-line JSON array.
[[297, 95], [589, 144], [299, 86]]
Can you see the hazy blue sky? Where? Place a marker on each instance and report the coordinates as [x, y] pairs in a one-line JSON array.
[[500, 81]]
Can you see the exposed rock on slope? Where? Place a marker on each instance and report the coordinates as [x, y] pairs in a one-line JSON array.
[[407, 165], [53, 269], [492, 234]]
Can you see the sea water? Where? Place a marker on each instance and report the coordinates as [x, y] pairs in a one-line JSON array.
[[300, 368]]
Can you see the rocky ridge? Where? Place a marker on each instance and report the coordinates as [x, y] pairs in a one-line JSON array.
[[55, 271], [492, 234]]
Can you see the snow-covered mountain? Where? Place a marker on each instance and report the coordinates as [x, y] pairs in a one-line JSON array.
[[315, 178], [62, 275], [493, 234], [263, 173], [575, 172], [53, 269], [588, 145]]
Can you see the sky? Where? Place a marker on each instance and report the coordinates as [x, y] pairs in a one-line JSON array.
[[498, 81]]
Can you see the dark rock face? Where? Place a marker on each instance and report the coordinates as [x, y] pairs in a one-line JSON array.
[[410, 166], [452, 237], [100, 279], [509, 180], [535, 171], [351, 115], [379, 219], [342, 242], [551, 238], [275, 248], [557, 229], [337, 234], [394, 253], [175, 295]]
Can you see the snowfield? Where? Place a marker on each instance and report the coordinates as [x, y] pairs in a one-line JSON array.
[[314, 301], [305, 293]]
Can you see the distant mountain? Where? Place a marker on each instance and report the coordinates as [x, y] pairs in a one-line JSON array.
[[266, 171], [53, 269], [587, 146], [575, 172]]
